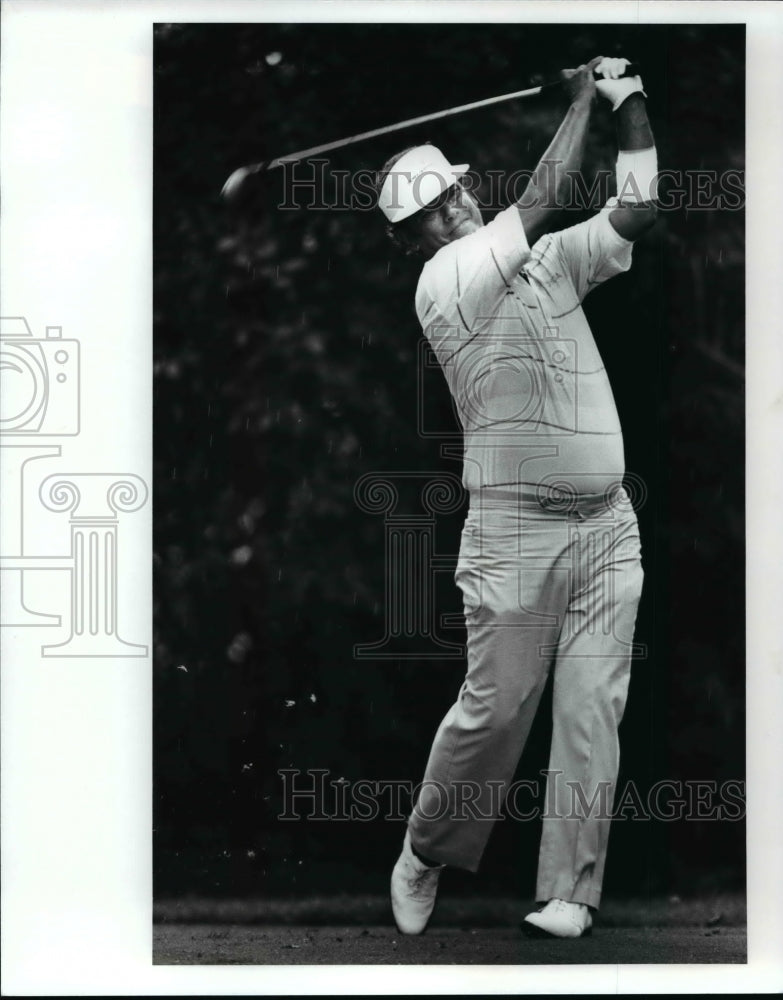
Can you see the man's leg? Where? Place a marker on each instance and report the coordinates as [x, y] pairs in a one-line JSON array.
[[591, 675], [515, 600]]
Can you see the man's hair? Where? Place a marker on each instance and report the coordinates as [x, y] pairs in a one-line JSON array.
[[402, 234]]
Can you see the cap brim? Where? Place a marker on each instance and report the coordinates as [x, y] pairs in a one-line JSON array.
[[430, 186]]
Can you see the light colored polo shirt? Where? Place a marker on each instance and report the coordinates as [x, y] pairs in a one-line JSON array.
[[507, 327]]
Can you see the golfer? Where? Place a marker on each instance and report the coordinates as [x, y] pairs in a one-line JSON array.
[[549, 563]]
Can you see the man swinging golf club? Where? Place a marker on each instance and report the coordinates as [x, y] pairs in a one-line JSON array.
[[549, 563]]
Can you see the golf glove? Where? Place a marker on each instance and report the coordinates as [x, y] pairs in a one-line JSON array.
[[613, 87]]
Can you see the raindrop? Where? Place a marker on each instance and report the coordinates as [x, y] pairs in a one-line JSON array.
[[242, 555]]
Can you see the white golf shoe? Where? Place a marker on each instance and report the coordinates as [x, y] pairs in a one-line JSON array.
[[414, 887], [560, 919]]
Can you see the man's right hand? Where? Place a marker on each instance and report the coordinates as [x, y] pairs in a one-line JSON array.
[[579, 83]]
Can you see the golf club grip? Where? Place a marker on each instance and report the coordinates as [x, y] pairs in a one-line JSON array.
[[632, 69]]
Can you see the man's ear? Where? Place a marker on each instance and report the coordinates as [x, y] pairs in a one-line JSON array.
[[405, 238]]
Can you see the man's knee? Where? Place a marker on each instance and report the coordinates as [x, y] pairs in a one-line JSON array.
[[599, 700], [496, 710]]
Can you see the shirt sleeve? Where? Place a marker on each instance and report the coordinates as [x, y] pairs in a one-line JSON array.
[[591, 252], [467, 279]]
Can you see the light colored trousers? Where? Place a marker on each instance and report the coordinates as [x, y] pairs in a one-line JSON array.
[[543, 589]]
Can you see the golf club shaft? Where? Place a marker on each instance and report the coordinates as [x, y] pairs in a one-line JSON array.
[[398, 126], [265, 165]]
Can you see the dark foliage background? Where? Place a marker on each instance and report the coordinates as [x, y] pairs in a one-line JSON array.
[[286, 367]]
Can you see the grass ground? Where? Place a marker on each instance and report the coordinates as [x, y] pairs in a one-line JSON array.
[[350, 930]]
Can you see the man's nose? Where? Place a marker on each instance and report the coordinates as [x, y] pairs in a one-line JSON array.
[[449, 210]]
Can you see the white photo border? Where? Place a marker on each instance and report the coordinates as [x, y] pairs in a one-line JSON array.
[[76, 159]]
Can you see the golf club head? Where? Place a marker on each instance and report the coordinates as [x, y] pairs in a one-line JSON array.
[[237, 185]]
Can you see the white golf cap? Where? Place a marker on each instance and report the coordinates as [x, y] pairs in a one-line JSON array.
[[416, 179]]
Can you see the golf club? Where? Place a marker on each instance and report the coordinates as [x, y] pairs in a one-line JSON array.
[[236, 182]]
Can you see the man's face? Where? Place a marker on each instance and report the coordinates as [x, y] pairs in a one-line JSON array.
[[449, 217]]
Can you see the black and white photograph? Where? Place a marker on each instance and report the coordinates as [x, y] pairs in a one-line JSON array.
[[390, 564], [449, 326]]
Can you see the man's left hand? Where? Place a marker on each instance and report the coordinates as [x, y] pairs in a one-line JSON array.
[[615, 87]]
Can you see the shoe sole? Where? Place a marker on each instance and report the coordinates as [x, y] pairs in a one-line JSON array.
[[534, 931]]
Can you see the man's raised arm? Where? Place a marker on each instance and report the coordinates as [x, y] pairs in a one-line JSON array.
[[637, 162], [543, 196]]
